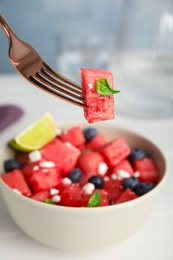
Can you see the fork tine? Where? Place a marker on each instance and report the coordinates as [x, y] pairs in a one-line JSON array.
[[59, 86], [57, 81], [48, 70], [46, 86]]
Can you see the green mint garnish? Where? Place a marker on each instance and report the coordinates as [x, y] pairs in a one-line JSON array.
[[49, 201], [95, 200], [103, 87]]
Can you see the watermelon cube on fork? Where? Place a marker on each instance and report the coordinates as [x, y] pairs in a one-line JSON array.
[[100, 105]]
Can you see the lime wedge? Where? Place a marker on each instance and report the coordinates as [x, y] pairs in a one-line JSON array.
[[36, 135]]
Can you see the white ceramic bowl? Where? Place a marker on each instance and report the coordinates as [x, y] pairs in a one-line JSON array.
[[84, 228]]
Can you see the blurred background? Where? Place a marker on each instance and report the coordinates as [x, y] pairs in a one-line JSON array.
[[131, 38], [37, 22]]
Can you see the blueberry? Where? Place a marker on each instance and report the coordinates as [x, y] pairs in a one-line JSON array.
[[75, 175], [89, 133], [137, 153], [130, 183], [143, 187], [97, 181], [11, 164]]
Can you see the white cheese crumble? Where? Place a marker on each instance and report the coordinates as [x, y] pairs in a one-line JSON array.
[[122, 174], [36, 168], [106, 178], [17, 191], [54, 191], [114, 176], [68, 144], [66, 180], [58, 131], [102, 168], [90, 85], [34, 156], [136, 174], [56, 198], [88, 188], [47, 164]]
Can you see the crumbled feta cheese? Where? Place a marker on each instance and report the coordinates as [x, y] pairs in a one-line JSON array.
[[106, 178], [72, 146], [114, 176], [35, 168], [66, 180], [54, 191], [34, 156], [88, 188], [47, 164], [136, 174], [102, 168], [90, 85], [122, 174], [58, 131], [56, 198], [17, 191], [44, 170]]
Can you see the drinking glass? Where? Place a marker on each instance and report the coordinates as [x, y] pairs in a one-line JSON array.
[[81, 46], [143, 59]]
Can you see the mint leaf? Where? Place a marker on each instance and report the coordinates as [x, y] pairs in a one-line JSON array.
[[49, 201], [95, 200], [103, 87]]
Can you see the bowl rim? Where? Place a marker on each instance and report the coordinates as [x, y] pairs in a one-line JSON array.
[[104, 208]]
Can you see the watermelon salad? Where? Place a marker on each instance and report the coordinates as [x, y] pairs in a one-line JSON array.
[[98, 90], [81, 168]]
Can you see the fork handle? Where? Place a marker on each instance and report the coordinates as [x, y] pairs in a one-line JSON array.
[[7, 29]]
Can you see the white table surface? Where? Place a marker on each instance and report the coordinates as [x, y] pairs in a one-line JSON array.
[[154, 241]]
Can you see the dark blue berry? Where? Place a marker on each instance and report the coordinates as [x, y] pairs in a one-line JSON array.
[[97, 181], [143, 187], [75, 175], [137, 153], [89, 133], [130, 183], [11, 164]]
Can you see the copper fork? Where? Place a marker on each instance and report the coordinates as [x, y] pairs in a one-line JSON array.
[[30, 65]]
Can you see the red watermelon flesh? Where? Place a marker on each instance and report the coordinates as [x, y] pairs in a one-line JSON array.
[[41, 195], [99, 107], [44, 179], [115, 151], [127, 195], [71, 195], [64, 155], [16, 180], [147, 169], [124, 165], [74, 136], [96, 142], [88, 163]]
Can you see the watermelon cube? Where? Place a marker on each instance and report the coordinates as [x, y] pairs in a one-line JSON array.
[[64, 155], [115, 151], [124, 165], [127, 195], [71, 195], [147, 169], [114, 189], [99, 107], [16, 180], [74, 136], [41, 195], [44, 179], [96, 142], [89, 162]]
